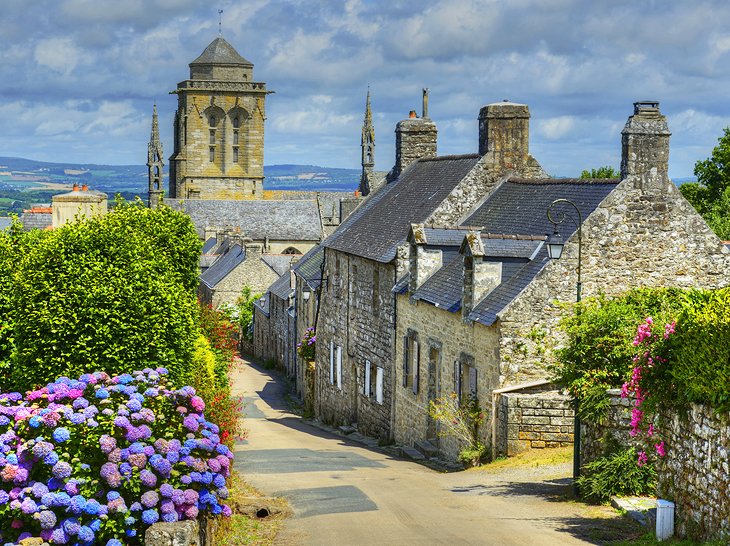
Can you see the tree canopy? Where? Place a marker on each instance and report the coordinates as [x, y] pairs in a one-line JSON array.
[[710, 195], [601, 172]]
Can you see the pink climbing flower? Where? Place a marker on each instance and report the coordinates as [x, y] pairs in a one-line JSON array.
[[650, 431], [669, 329], [642, 459], [660, 449]]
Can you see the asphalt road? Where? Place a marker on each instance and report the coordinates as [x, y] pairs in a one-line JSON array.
[[343, 493]]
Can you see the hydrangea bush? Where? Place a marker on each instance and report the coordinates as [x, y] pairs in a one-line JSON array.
[[99, 459]]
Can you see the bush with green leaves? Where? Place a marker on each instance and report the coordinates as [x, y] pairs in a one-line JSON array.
[[616, 474], [599, 350], [116, 291]]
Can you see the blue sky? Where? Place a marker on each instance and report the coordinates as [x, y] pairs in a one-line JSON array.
[[78, 77]]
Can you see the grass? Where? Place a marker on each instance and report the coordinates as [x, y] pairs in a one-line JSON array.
[[533, 458], [240, 529], [649, 539]]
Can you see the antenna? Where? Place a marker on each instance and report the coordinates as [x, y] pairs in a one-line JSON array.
[[220, 22]]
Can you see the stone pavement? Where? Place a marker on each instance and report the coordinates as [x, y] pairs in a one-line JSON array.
[[345, 493]]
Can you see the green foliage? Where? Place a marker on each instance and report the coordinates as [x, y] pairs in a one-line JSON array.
[[460, 419], [221, 333], [601, 172], [616, 474], [115, 292], [599, 351], [241, 312], [710, 195], [700, 351]]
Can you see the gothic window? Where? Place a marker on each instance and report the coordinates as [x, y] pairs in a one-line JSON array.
[[211, 157], [291, 250], [212, 137], [236, 129]]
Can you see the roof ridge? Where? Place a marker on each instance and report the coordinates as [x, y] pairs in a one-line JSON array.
[[449, 157], [546, 181], [514, 236]]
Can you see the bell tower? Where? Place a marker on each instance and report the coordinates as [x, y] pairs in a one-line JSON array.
[[219, 128], [155, 164]]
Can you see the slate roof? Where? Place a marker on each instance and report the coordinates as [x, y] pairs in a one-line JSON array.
[[382, 222], [310, 266], [281, 288], [263, 303], [220, 52], [280, 263], [36, 220], [209, 245], [258, 219], [520, 206], [223, 266]]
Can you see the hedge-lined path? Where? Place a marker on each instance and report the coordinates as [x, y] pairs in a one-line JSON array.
[[343, 493]]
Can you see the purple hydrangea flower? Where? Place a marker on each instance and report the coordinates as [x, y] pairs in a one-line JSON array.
[[85, 534], [47, 519], [147, 478], [61, 470], [59, 536], [149, 499]]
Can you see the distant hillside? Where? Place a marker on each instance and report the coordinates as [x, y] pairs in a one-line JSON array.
[[22, 174]]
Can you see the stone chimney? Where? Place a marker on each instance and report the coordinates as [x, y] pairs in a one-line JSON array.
[[422, 262], [480, 276], [645, 148], [414, 138], [504, 130]]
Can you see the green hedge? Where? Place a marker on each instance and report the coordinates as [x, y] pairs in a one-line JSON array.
[[115, 293]]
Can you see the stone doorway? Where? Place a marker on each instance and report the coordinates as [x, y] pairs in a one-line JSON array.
[[434, 386]]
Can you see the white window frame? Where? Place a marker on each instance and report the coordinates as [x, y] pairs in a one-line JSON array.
[[339, 367], [332, 362], [366, 385]]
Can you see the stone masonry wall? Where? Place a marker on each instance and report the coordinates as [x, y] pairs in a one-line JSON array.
[[634, 238], [450, 339], [695, 474], [252, 272], [358, 316], [595, 438], [533, 421]]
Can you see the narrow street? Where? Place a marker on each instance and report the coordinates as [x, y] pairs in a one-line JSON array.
[[346, 494]]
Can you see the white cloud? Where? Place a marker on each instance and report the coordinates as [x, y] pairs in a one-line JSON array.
[[58, 54], [556, 128]]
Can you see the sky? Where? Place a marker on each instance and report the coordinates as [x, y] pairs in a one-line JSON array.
[[78, 78]]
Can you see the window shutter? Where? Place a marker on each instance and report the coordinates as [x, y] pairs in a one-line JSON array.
[[416, 365], [457, 379], [366, 386], [473, 382], [379, 385], [339, 367], [406, 356], [332, 362]]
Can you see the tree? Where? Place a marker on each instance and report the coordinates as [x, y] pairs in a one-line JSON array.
[[710, 195], [601, 172], [113, 293]]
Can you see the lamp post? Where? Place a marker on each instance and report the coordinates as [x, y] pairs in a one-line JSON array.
[[555, 246]]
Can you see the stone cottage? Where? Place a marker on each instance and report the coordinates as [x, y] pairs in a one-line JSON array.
[[478, 309], [355, 362]]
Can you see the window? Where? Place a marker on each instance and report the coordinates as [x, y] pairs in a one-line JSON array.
[[212, 122], [339, 368], [211, 156], [465, 378], [235, 154], [212, 136], [411, 358], [236, 129], [379, 385], [370, 385]]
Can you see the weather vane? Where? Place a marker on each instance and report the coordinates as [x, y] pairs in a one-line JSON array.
[[220, 22]]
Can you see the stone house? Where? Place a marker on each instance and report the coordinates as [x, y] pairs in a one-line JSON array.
[[355, 362], [477, 312], [274, 327]]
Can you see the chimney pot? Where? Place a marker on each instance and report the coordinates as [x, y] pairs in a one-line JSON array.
[[75, 187], [412, 114], [85, 187]]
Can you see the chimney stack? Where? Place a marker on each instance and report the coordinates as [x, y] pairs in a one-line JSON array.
[[415, 138], [645, 147], [504, 130]]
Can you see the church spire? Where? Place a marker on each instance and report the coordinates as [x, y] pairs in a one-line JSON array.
[[154, 163], [368, 149]]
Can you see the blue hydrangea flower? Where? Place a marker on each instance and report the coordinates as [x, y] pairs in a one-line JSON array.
[[51, 459], [102, 393], [47, 519], [61, 434], [34, 421], [85, 534], [150, 516]]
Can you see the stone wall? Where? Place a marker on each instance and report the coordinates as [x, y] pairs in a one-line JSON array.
[[695, 474], [533, 421], [264, 346], [357, 316], [615, 430], [305, 318], [443, 339], [414, 138], [252, 272]]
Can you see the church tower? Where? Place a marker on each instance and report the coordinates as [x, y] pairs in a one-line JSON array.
[[367, 143], [155, 164], [219, 128]]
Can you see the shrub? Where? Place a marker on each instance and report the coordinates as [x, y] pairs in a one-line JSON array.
[[616, 474], [98, 459], [116, 289], [221, 334], [460, 419]]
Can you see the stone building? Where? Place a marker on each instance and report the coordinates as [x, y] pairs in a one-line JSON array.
[[485, 318], [219, 128], [80, 202], [355, 364]]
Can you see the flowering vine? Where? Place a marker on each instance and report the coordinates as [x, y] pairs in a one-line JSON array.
[[646, 359]]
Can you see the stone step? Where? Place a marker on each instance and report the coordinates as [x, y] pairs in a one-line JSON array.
[[427, 448], [411, 453], [346, 429]]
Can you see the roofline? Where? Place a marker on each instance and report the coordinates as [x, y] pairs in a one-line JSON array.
[[550, 181]]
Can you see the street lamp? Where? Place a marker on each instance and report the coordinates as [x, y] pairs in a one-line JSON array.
[[555, 246]]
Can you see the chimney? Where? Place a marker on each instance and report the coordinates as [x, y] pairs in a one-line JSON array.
[[480, 276], [422, 262], [84, 187], [425, 103], [504, 130], [75, 187], [645, 147], [414, 138]]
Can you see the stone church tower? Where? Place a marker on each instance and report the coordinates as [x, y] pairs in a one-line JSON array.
[[155, 164], [219, 128], [368, 150]]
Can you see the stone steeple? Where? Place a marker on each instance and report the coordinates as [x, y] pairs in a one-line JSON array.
[[368, 149], [155, 163]]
